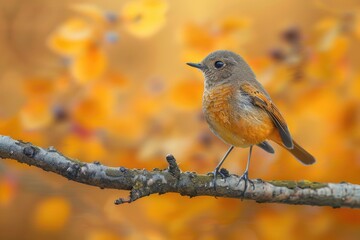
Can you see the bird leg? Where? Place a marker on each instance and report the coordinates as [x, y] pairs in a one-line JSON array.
[[216, 171], [245, 176]]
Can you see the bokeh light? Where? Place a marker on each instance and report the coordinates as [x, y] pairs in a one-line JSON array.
[[107, 81]]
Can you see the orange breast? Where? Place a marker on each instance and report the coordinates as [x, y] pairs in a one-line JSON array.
[[233, 118]]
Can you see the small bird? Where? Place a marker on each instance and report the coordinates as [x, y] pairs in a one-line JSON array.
[[240, 112]]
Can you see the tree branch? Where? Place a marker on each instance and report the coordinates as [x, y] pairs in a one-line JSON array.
[[142, 183]]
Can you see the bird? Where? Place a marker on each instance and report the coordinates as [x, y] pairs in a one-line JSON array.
[[240, 112]]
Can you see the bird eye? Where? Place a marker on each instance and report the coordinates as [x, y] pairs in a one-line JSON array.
[[219, 64]]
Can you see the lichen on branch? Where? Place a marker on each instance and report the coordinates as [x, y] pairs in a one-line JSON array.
[[142, 183]]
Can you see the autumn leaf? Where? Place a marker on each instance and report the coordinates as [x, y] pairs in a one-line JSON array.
[[89, 65], [131, 103], [35, 87], [94, 109], [201, 39], [36, 114], [143, 18], [72, 37]]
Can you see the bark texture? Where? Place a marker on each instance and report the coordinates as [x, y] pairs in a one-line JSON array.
[[142, 183]]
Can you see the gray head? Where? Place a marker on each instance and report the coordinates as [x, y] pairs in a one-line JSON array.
[[220, 66]]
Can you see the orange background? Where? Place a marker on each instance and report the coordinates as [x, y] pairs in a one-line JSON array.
[[107, 81]]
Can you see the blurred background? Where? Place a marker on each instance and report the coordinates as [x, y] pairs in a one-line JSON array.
[[107, 81]]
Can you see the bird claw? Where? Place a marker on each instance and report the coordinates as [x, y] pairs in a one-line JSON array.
[[245, 178], [223, 173]]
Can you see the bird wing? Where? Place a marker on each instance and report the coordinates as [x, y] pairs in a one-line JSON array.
[[266, 146], [259, 99]]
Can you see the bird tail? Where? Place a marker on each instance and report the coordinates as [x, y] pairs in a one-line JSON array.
[[297, 151], [301, 154]]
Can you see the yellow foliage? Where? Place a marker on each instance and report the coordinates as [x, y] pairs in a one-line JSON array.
[[186, 94], [143, 18], [117, 81], [94, 108], [198, 40], [89, 65], [167, 209], [231, 24], [129, 128], [131, 103], [102, 235], [284, 227], [357, 25], [36, 87], [88, 147], [197, 37], [72, 37], [36, 114], [7, 191], [51, 214], [228, 33], [62, 84]]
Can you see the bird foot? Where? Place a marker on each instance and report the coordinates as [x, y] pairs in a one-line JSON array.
[[223, 173], [245, 178]]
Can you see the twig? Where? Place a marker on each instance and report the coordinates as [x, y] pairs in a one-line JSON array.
[[142, 183]]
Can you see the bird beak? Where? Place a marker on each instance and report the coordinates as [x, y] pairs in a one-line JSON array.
[[196, 65]]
